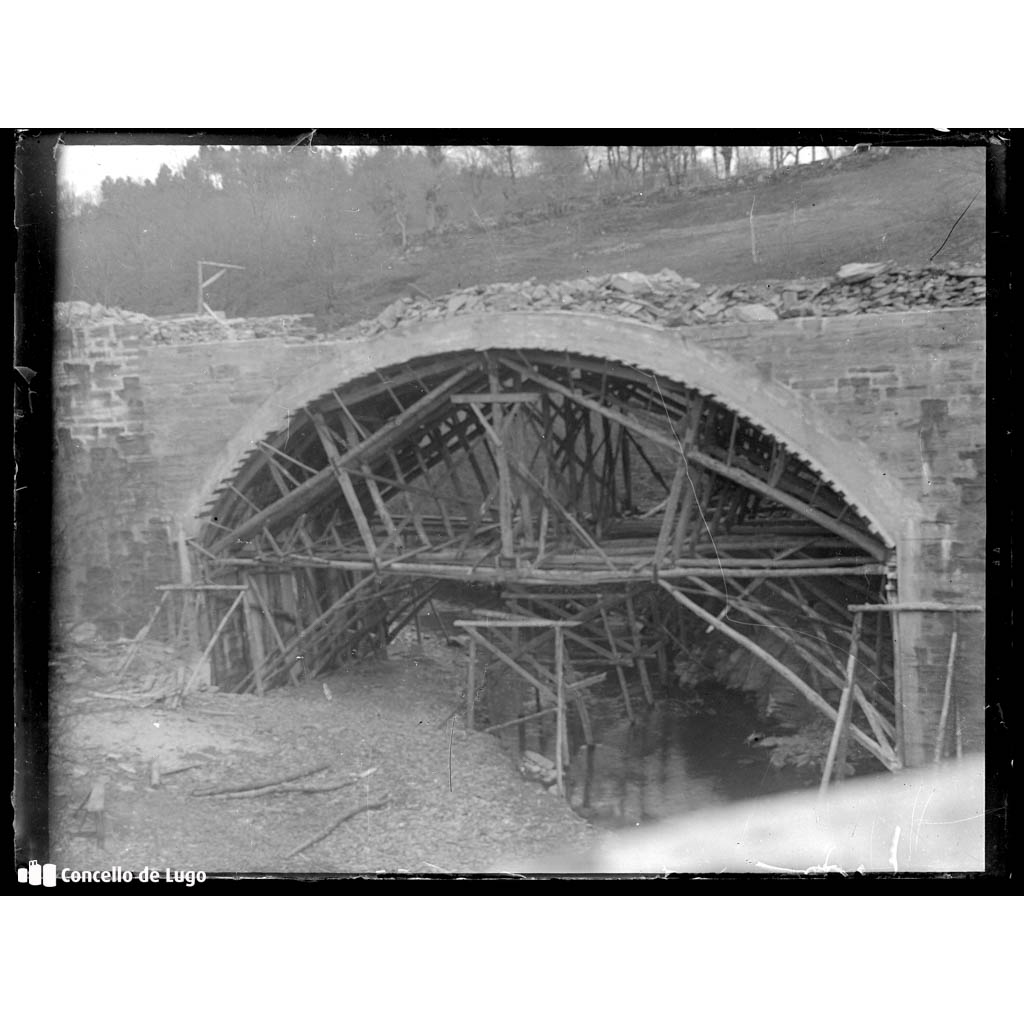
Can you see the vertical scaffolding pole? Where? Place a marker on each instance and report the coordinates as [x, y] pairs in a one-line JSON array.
[[940, 740], [836, 759], [560, 751], [471, 685]]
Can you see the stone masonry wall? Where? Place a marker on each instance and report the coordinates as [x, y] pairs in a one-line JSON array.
[[140, 419], [912, 388], [136, 421]]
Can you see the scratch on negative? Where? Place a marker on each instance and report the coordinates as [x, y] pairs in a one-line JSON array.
[[894, 849]]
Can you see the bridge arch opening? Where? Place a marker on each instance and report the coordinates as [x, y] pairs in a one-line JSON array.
[[581, 469]]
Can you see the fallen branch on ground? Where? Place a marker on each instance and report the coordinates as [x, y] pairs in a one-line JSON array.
[[118, 696], [330, 828], [288, 787], [243, 787], [183, 768], [156, 772]]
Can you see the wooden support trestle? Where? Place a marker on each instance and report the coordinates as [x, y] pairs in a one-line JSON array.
[[522, 470]]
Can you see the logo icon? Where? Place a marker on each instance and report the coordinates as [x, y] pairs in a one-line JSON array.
[[34, 874]]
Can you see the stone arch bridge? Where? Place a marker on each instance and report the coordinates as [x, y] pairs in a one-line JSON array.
[[587, 466]]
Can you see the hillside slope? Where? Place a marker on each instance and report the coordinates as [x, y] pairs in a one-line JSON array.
[[806, 223]]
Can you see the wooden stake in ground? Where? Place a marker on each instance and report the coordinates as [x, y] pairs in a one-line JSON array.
[[95, 809]]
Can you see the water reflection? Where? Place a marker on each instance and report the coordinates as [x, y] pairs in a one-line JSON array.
[[687, 752], [672, 759]]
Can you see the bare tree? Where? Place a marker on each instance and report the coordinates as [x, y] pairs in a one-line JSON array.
[[664, 160], [623, 160], [559, 170], [434, 210], [510, 162]]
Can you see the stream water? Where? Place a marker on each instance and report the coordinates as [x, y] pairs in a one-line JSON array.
[[676, 756], [679, 755]]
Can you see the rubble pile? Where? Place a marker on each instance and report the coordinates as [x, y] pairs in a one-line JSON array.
[[139, 672], [82, 314], [192, 330], [671, 300], [187, 329], [665, 298]]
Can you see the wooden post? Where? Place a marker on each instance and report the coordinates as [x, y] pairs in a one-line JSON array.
[[499, 439], [689, 497], [96, 809], [618, 665], [139, 638], [581, 708], [254, 634], [560, 719], [836, 758], [638, 655], [668, 518], [440, 621], [269, 619], [471, 685], [181, 634], [627, 475], [213, 640], [515, 431], [946, 694], [659, 616], [189, 620], [172, 623], [344, 482]]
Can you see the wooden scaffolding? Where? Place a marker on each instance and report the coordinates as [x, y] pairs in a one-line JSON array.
[[582, 490]]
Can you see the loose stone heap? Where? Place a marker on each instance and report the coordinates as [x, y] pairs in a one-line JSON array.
[[79, 313], [188, 329], [672, 300], [664, 298], [195, 329]]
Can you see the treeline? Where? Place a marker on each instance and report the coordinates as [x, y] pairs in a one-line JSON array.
[[306, 221]]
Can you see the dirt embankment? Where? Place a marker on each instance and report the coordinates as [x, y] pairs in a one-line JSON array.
[[795, 224], [452, 801]]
